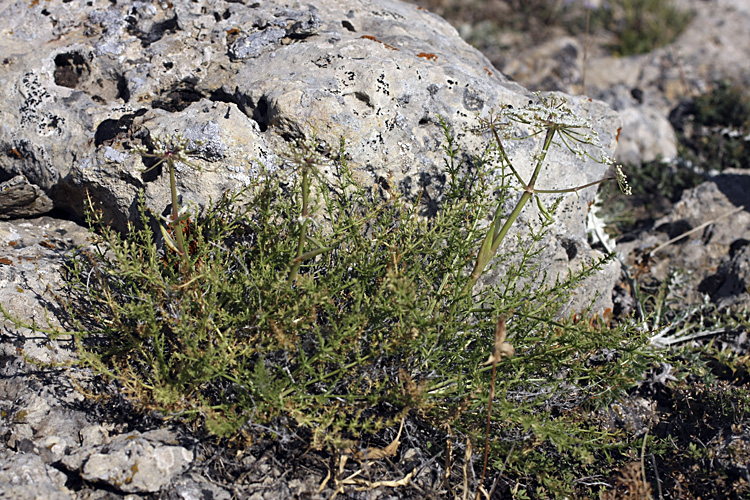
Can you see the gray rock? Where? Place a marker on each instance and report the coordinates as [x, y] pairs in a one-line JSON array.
[[556, 64], [134, 463], [40, 420], [247, 79], [31, 256], [27, 477], [253, 45], [646, 136], [714, 258], [194, 487], [20, 198], [644, 87], [731, 283]]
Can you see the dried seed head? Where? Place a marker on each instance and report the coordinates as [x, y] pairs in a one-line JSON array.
[[500, 347]]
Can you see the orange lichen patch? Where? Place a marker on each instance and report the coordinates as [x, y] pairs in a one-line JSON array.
[[6, 261], [428, 56], [16, 153], [369, 37], [617, 137], [488, 70], [233, 31], [47, 244], [13, 243]]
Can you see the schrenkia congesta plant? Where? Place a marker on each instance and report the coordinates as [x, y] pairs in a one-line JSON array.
[[305, 303]]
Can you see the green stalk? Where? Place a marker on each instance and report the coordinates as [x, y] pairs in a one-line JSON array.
[[177, 225], [495, 234], [297, 261]]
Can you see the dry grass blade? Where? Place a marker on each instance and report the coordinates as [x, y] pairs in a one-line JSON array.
[[389, 484], [378, 453], [500, 348], [467, 462], [448, 459]]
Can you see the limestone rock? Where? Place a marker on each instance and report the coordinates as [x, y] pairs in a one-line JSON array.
[[20, 198], [646, 136], [27, 477], [643, 86], [32, 252], [195, 487], [715, 258], [556, 64], [730, 285], [135, 463]]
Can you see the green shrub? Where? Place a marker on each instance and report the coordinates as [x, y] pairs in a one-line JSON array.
[[645, 25], [303, 305]]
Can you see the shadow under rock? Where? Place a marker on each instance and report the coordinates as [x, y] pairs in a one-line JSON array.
[[736, 187]]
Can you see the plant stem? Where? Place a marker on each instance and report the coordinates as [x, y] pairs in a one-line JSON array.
[[495, 236], [487, 430], [297, 261], [177, 225]]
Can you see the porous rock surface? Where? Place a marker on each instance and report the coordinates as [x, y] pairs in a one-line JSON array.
[[84, 82]]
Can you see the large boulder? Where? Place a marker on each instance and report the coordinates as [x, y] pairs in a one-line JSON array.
[[245, 79]]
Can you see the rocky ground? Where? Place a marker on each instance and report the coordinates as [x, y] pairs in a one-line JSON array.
[[56, 443]]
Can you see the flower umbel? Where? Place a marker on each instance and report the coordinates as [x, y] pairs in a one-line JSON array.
[[622, 181], [173, 150]]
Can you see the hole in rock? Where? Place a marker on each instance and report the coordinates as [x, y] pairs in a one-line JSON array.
[[737, 245], [178, 98], [570, 248], [363, 97], [262, 114], [675, 229], [123, 92], [70, 69], [156, 33], [109, 130]]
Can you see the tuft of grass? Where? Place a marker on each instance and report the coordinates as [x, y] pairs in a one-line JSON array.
[[645, 25]]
